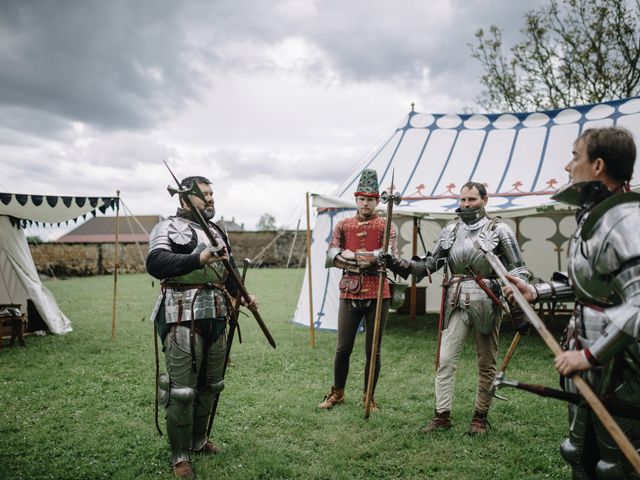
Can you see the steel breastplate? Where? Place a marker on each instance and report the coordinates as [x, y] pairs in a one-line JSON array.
[[463, 253]]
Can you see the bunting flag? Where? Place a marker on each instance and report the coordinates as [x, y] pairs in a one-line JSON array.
[[25, 209]]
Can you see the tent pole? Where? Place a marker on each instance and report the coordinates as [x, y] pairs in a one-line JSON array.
[[414, 253], [115, 269], [293, 244], [312, 340]]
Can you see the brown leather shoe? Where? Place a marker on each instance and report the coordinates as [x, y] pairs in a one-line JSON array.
[[335, 396], [479, 423], [373, 406], [209, 448], [440, 421], [183, 469]]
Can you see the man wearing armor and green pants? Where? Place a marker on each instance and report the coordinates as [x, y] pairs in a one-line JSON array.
[[472, 301], [191, 317]]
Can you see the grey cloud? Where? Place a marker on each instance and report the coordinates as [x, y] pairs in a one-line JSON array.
[[114, 64]]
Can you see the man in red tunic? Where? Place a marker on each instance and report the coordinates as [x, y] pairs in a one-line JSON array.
[[355, 248]]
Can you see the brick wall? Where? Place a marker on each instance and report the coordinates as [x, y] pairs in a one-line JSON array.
[[86, 259]]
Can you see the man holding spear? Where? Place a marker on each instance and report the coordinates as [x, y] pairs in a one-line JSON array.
[[355, 248], [604, 280]]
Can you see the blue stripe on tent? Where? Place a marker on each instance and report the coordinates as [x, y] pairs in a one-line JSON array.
[[543, 151], [393, 155], [418, 160], [484, 142], [453, 146], [517, 128]]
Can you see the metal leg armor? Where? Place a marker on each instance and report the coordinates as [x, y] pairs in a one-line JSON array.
[[180, 399], [209, 383]]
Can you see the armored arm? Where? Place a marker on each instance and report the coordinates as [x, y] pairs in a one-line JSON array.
[[558, 289], [420, 267], [510, 254], [620, 255], [162, 262]]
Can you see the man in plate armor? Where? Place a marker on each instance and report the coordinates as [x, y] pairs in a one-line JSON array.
[[191, 317], [472, 299], [355, 247], [604, 280]]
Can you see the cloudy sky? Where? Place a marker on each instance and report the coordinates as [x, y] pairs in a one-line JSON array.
[[269, 99]]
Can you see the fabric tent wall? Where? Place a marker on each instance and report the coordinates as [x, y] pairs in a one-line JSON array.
[[20, 279], [521, 159]]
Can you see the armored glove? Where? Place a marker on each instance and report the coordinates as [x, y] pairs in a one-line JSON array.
[[396, 265]]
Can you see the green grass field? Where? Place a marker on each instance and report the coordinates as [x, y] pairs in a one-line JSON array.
[[81, 405]]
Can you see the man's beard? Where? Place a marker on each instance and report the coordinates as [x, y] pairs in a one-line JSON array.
[[209, 212]]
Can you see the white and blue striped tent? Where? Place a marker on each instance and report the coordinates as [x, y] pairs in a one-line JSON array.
[[519, 157]]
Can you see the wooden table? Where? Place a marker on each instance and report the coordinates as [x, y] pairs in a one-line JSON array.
[[10, 312]]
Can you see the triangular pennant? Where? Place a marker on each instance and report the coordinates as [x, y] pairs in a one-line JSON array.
[[52, 201], [67, 201], [6, 198], [93, 201], [37, 200], [22, 199], [80, 201]]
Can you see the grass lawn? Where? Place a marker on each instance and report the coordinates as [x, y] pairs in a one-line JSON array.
[[81, 405]]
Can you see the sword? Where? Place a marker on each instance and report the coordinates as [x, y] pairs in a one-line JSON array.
[[388, 198], [195, 190]]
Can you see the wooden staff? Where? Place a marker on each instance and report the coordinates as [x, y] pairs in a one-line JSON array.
[[581, 384], [115, 269], [312, 339], [389, 199]]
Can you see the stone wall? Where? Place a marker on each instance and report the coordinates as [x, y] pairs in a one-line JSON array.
[[265, 249]]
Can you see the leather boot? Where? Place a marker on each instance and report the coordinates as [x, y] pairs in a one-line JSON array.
[[335, 396], [373, 406], [440, 421], [183, 469], [209, 448], [479, 423]]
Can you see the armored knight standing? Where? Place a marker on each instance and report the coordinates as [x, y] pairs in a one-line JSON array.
[[472, 299], [604, 280], [191, 316], [355, 248]]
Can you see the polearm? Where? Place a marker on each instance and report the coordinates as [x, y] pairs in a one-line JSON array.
[[233, 326], [619, 407], [581, 384], [389, 199], [184, 194], [505, 362]]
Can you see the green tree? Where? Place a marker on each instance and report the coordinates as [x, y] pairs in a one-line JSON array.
[[573, 52], [266, 222]]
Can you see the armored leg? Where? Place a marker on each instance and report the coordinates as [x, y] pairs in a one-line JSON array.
[[580, 450], [182, 392], [209, 383]]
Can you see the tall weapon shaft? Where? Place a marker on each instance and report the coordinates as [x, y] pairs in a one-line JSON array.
[[185, 195], [617, 407], [581, 384], [389, 199], [233, 326]]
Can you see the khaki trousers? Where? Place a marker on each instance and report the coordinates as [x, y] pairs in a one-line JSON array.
[[452, 342]]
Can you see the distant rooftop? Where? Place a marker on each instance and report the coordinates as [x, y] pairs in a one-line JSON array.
[[103, 230]]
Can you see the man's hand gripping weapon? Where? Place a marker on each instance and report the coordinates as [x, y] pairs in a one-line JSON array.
[[184, 194]]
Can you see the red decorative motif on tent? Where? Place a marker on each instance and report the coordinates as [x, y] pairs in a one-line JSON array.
[[450, 193]]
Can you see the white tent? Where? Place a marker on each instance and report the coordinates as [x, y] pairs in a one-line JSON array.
[[519, 157], [19, 279]]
